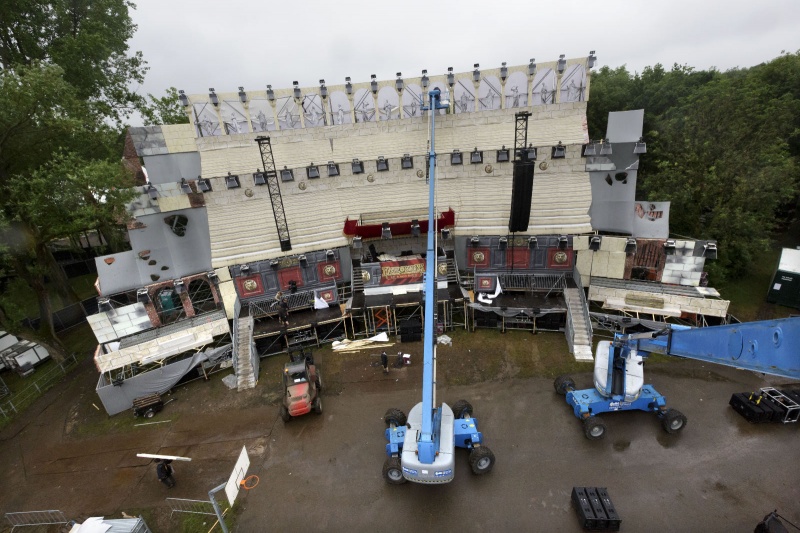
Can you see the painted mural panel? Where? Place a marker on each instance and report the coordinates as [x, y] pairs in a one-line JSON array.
[[313, 111], [364, 106], [261, 116], [651, 220], [339, 108], [389, 104], [464, 95], [206, 121], [489, 93], [412, 101], [234, 119], [288, 113], [544, 87], [573, 84], [517, 90]]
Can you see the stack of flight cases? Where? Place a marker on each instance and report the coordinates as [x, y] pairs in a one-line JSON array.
[[768, 405], [595, 510], [410, 331]]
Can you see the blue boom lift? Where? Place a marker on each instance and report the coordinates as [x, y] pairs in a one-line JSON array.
[[769, 347], [421, 448]]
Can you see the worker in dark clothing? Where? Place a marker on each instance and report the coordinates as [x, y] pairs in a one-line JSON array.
[[385, 362], [164, 472], [283, 312]]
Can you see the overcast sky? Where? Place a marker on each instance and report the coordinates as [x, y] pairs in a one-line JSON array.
[[197, 44]]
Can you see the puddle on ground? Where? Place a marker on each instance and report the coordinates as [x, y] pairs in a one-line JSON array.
[[666, 440], [622, 445]]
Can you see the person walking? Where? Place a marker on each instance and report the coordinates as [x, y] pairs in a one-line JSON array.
[[385, 362], [164, 472]]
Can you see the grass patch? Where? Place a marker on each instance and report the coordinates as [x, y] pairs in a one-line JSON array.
[[748, 294], [485, 355], [194, 523]]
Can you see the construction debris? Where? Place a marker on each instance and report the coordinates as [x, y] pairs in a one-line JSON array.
[[378, 341]]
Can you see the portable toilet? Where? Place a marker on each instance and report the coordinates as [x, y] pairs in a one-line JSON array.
[[785, 286]]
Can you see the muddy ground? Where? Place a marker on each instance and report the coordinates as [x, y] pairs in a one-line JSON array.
[[66, 453]]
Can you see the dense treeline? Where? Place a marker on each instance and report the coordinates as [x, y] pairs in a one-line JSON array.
[[722, 147]]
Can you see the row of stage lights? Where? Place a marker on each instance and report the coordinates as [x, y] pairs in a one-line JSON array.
[[561, 65]]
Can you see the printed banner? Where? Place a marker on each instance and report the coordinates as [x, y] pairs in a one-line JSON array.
[[402, 272]]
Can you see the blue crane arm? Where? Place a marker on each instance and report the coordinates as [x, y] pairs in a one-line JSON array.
[[428, 439], [767, 346]]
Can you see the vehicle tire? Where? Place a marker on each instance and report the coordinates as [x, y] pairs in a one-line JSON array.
[[392, 471], [481, 460], [285, 414], [673, 421], [594, 428], [150, 413], [319, 382], [562, 384], [317, 405], [394, 415], [461, 408]]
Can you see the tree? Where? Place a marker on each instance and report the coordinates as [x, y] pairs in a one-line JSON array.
[[88, 39], [725, 166], [164, 110], [65, 78]]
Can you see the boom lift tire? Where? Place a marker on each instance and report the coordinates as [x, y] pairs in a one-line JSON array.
[[673, 421], [285, 416], [562, 384], [392, 471], [395, 415], [594, 428], [460, 408], [481, 459], [317, 406]]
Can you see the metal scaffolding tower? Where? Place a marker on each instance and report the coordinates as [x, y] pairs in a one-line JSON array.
[[271, 178]]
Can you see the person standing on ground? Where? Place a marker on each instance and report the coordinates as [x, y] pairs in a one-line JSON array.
[[385, 362], [164, 472], [283, 312]]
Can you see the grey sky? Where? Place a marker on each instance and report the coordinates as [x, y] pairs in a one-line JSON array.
[[197, 44]]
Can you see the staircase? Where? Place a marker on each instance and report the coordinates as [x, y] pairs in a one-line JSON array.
[[245, 373], [357, 279], [452, 268], [581, 342]]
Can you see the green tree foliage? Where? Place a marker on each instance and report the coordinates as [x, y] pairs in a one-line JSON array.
[[722, 148], [65, 78], [88, 39], [164, 110]]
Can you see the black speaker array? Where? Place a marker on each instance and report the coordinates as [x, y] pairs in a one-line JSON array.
[[521, 193], [410, 337]]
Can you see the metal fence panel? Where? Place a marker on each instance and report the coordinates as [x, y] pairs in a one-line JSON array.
[[21, 399], [179, 505], [36, 518]]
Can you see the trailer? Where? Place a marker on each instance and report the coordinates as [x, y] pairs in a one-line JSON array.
[[23, 356]]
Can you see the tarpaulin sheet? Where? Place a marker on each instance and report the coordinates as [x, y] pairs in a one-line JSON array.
[[119, 398]]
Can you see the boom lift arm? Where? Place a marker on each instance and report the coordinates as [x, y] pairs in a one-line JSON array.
[[769, 347], [421, 447]]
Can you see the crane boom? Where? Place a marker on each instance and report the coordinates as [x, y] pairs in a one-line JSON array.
[[767, 346], [427, 444], [420, 448]]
